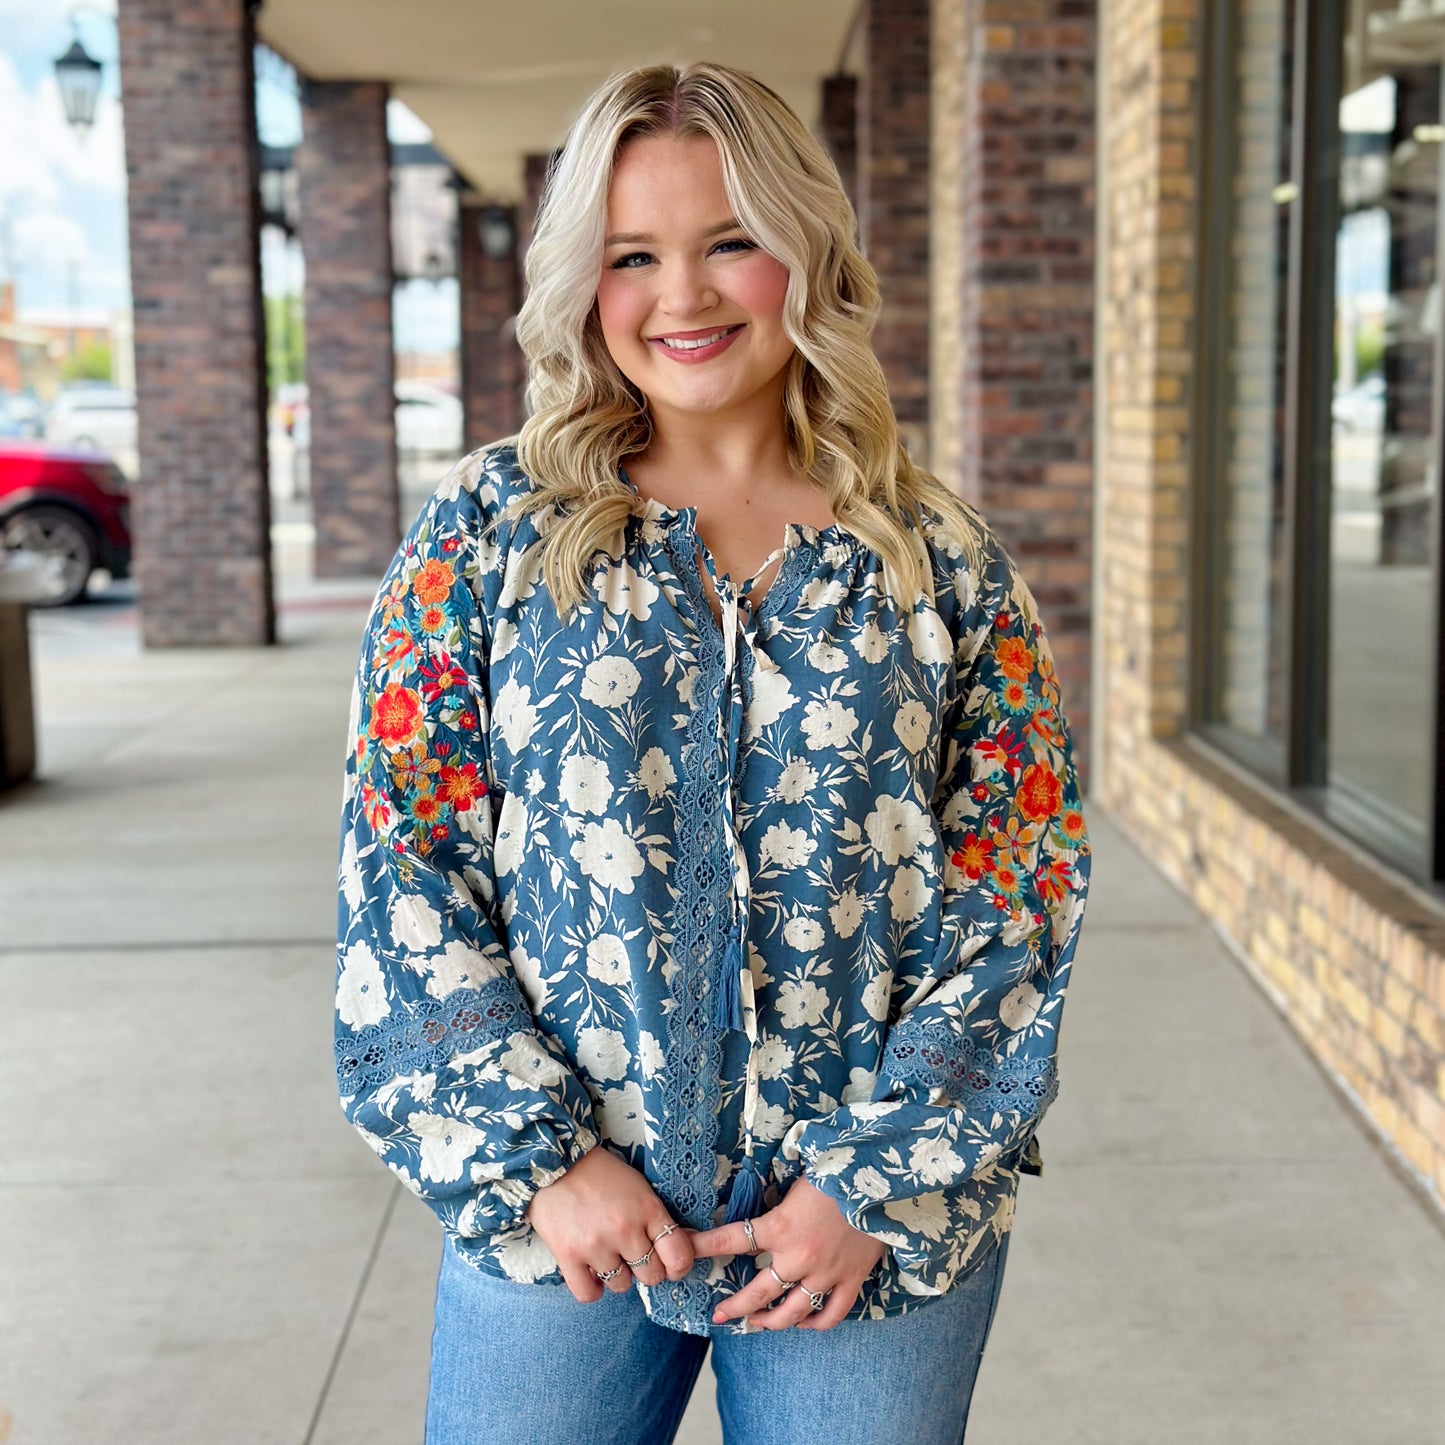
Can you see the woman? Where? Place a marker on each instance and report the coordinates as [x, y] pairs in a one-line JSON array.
[[704, 934]]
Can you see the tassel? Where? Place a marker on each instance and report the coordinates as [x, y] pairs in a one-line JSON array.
[[728, 1013], [746, 1201]]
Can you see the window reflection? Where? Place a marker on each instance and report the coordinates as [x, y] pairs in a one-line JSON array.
[[1385, 427]]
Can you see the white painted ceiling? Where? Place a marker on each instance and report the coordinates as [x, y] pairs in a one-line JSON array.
[[498, 81]]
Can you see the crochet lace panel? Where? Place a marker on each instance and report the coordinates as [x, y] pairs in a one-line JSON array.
[[429, 1034], [936, 1055]]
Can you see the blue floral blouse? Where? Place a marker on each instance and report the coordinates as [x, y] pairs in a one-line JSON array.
[[794, 894]]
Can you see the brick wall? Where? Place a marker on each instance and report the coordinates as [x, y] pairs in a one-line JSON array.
[[201, 510], [344, 165], [491, 359], [1353, 957], [1013, 295], [838, 128], [892, 199]]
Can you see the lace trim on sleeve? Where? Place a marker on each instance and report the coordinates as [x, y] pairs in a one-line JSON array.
[[429, 1034], [940, 1057]]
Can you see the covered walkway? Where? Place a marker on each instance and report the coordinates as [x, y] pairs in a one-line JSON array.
[[198, 1248]]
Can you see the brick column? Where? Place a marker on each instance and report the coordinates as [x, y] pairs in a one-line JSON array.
[[1013, 278], [491, 292], [840, 128], [892, 198], [344, 165], [201, 511]]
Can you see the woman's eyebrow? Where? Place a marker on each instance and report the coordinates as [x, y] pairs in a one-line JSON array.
[[634, 238]]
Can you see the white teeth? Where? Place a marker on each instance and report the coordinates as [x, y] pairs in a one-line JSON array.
[[679, 345]]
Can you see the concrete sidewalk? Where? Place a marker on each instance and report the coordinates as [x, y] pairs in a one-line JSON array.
[[195, 1248]]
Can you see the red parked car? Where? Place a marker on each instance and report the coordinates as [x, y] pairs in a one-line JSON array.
[[71, 507]]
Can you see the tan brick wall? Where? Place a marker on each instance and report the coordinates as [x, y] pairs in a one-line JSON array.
[[1353, 957]]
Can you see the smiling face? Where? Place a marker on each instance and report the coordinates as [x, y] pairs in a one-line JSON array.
[[691, 308]]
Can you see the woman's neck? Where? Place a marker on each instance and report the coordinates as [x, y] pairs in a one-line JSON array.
[[728, 455]]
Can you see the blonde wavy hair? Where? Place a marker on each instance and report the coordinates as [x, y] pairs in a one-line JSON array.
[[585, 417]]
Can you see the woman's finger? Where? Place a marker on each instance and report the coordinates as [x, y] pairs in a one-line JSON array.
[[840, 1300], [728, 1239], [673, 1249], [638, 1247], [791, 1309], [757, 1294], [620, 1282], [585, 1286]]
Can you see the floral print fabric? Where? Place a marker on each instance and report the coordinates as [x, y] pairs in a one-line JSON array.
[[793, 894]]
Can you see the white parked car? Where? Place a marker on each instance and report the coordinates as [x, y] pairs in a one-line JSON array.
[[93, 418], [428, 419]]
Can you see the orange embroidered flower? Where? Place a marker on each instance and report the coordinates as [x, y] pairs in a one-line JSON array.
[[1040, 793], [1014, 658], [432, 618], [377, 807], [396, 716], [1070, 825], [397, 647], [427, 809], [461, 787], [1055, 879], [1006, 880], [974, 857], [434, 582]]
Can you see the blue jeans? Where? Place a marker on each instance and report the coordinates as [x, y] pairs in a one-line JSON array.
[[525, 1364]]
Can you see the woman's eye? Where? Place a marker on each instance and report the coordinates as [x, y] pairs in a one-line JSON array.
[[736, 241], [624, 263]]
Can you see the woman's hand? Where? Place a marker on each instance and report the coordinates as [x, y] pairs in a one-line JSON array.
[[600, 1214], [810, 1242]]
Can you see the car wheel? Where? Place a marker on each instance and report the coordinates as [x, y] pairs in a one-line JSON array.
[[64, 540]]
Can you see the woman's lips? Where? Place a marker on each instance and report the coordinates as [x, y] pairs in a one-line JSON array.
[[691, 355]]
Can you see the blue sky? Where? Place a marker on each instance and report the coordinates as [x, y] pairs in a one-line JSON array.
[[62, 196]]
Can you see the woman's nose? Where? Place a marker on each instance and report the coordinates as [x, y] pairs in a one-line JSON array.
[[687, 291]]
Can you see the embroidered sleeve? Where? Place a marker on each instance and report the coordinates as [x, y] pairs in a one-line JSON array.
[[969, 1069], [439, 1061]]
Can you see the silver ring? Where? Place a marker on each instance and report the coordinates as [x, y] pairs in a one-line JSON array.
[[752, 1238], [787, 1284], [609, 1274], [817, 1298], [638, 1263], [662, 1234]]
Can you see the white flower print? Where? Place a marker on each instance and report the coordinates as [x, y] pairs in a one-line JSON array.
[[1020, 1006], [912, 724], [847, 913], [415, 924], [801, 1003], [511, 835], [828, 724], [584, 784], [796, 781], [772, 697], [620, 1113], [525, 1259], [826, 1162], [625, 591], [458, 965], [504, 638], [876, 994], [774, 1057], [870, 1182], [352, 888], [528, 971], [607, 959], [446, 1144], [772, 1122], [826, 657], [929, 637], [907, 894], [897, 828], [822, 592], [685, 681], [528, 1060], [860, 1086], [360, 988], [610, 681], [804, 934], [932, 1161], [655, 773], [925, 1214], [514, 714], [787, 847], [649, 1054], [608, 855], [870, 642], [603, 1053]]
